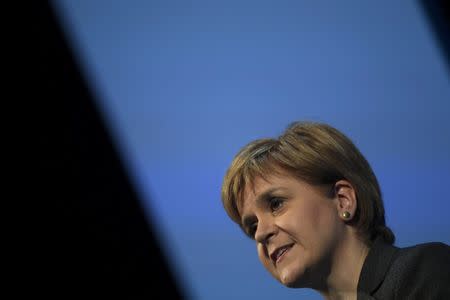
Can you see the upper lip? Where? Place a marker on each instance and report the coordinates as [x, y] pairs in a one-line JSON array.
[[276, 253]]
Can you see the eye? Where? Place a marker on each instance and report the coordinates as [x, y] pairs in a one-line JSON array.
[[275, 203]]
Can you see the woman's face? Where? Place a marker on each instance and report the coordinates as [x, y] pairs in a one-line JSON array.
[[296, 227]]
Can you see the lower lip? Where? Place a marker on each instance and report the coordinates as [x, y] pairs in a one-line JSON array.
[[284, 253]]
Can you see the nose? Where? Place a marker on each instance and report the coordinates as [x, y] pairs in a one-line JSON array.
[[265, 230]]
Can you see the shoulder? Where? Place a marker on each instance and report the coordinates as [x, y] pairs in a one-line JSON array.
[[427, 251], [424, 257], [422, 271], [418, 272]]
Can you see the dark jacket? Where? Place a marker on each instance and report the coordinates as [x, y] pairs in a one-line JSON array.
[[418, 272]]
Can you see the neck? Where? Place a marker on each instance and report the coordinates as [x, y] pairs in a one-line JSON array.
[[346, 265]]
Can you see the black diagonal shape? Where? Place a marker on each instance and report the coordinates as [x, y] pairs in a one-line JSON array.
[[438, 16], [96, 241]]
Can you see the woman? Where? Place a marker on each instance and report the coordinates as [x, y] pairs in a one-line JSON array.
[[313, 205]]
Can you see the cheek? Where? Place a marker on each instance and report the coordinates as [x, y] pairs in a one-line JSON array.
[[298, 221], [308, 221]]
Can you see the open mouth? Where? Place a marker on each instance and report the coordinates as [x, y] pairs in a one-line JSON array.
[[279, 253]]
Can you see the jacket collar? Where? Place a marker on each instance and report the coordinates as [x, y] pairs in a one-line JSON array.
[[376, 265]]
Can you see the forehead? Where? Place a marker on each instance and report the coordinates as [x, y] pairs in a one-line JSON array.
[[257, 186], [263, 185], [279, 184]]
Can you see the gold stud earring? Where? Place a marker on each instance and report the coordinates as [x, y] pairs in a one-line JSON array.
[[346, 215]]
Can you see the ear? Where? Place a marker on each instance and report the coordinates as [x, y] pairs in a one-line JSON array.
[[346, 202]]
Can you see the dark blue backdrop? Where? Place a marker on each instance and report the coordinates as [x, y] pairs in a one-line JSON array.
[[184, 84]]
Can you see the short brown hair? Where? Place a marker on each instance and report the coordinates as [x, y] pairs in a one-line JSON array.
[[317, 154]]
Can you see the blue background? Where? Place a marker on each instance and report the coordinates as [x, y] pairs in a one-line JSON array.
[[184, 84]]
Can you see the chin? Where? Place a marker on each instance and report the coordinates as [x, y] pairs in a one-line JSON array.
[[294, 277], [291, 280], [293, 284]]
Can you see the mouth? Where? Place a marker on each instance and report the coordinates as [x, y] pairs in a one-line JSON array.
[[279, 253]]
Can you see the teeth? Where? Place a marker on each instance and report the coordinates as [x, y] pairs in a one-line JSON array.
[[280, 252]]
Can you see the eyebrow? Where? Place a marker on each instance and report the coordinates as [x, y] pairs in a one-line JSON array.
[[248, 220]]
